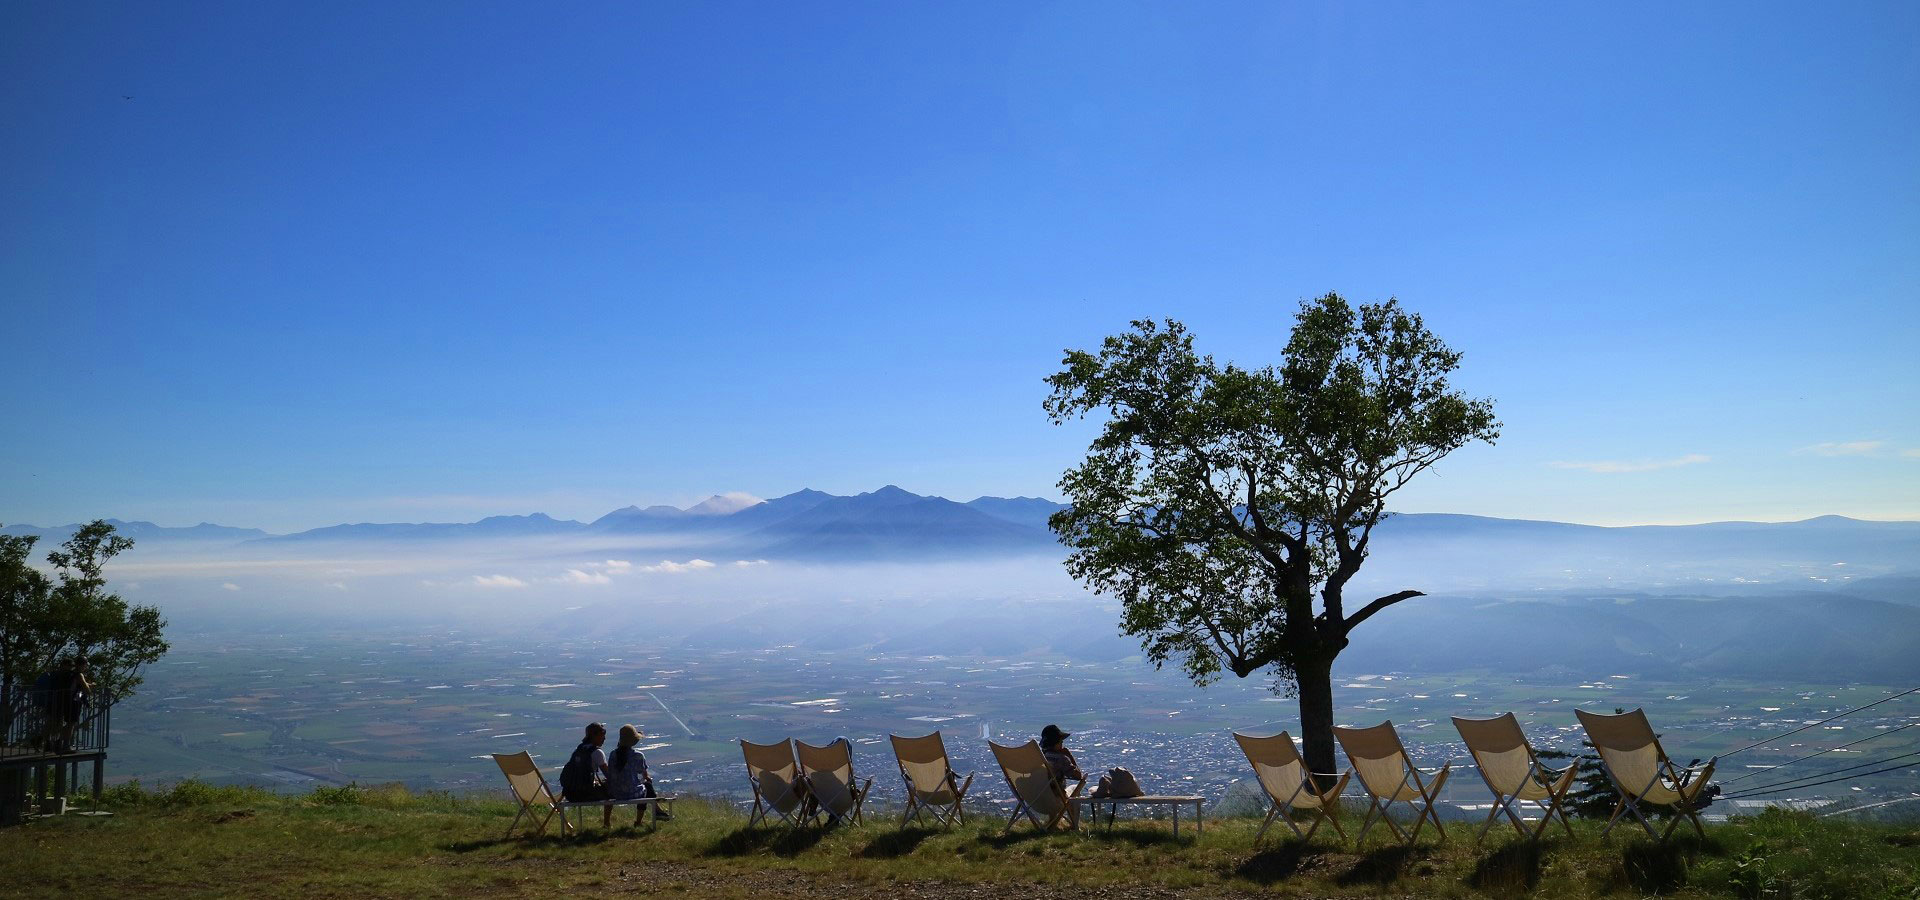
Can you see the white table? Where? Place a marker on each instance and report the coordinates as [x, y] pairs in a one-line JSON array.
[[1113, 805]]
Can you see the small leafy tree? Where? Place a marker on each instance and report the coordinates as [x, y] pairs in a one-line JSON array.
[[25, 594], [1228, 508], [73, 613]]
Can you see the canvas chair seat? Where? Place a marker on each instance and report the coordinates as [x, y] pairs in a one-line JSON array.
[[932, 786], [1289, 786], [1038, 793], [1389, 776], [778, 789], [531, 790], [1514, 773], [1641, 771], [831, 784]]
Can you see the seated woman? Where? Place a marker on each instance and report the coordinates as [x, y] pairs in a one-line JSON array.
[[627, 777], [1066, 769]]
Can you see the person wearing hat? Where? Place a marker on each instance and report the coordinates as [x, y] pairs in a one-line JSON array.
[[1066, 769]]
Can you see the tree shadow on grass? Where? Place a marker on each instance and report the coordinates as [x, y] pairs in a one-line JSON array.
[[778, 841], [1000, 840], [894, 844], [1379, 867], [1653, 868], [1141, 836], [1513, 869], [553, 838], [1279, 862]]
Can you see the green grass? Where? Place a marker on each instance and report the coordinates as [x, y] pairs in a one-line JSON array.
[[194, 838]]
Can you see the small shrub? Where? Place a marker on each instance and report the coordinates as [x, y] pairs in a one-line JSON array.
[[335, 795], [1751, 877], [128, 794], [194, 792]]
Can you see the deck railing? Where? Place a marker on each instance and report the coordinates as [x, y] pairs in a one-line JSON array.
[[42, 723]]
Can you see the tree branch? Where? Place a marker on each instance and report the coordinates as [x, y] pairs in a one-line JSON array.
[[1366, 612]]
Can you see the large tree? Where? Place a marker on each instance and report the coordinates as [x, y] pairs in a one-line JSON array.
[[1227, 508]]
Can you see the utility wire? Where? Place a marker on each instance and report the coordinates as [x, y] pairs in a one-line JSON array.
[[1769, 771], [1819, 783], [1912, 690], [1792, 783]]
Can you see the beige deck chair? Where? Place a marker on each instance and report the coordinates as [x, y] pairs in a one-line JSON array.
[[1640, 770], [778, 789], [1513, 772], [1284, 776], [932, 786], [1039, 793], [830, 780], [1389, 776], [530, 788]]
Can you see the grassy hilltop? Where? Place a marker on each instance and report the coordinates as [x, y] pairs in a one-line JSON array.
[[354, 842]]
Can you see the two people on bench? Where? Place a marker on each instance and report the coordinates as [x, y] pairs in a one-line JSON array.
[[593, 774]]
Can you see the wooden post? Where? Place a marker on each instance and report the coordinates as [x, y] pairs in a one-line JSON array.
[[99, 775]]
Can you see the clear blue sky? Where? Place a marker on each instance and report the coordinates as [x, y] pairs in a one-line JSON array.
[[408, 261]]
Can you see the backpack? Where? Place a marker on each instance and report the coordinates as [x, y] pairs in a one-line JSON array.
[[576, 778], [1119, 784]]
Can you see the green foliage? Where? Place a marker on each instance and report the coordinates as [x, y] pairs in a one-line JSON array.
[[348, 794], [1750, 878], [186, 794], [43, 620], [1216, 499], [1592, 796]]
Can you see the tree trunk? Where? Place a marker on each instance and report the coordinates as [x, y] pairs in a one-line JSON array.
[[1314, 682]]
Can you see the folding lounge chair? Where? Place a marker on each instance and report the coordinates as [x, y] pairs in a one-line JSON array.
[[1039, 793], [1513, 772], [830, 780], [530, 788], [932, 786], [1284, 776], [778, 789], [1641, 771], [1389, 776]]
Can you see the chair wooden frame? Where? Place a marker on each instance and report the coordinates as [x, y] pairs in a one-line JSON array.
[[1280, 770], [943, 799], [1630, 754], [1514, 772], [530, 789], [828, 773], [1027, 772], [1389, 776], [778, 790]]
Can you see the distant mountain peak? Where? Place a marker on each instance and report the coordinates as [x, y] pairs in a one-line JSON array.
[[724, 504]]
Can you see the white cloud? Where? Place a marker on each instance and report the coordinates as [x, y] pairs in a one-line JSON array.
[[1911, 453], [337, 585], [229, 586], [498, 581], [578, 576], [617, 565], [1843, 448], [1614, 467], [742, 563], [673, 568]]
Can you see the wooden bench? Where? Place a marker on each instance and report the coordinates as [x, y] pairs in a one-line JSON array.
[[660, 804], [1113, 805]]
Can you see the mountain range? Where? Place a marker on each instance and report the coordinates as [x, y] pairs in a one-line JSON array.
[[894, 524]]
